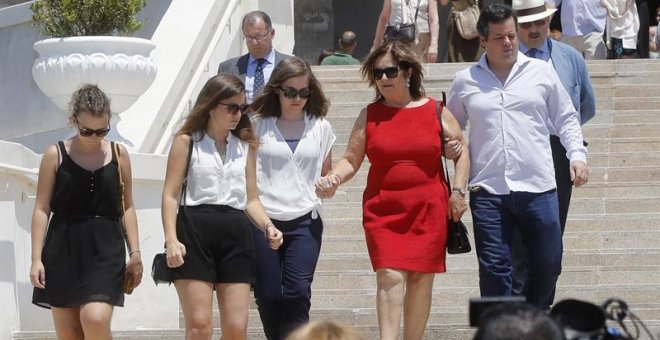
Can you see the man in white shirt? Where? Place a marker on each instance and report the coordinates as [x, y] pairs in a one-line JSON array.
[[513, 103], [255, 67], [583, 24]]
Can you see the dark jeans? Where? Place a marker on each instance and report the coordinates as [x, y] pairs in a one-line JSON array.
[[536, 217], [564, 192], [284, 277]]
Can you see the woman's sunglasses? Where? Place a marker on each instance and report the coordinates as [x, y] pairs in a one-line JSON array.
[[233, 108], [85, 132], [292, 93], [389, 72]]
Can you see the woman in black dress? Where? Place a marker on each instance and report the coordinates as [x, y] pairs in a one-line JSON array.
[[79, 261]]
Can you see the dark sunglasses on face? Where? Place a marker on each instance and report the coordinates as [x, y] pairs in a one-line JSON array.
[[537, 23], [233, 108], [85, 132], [292, 93], [389, 72]]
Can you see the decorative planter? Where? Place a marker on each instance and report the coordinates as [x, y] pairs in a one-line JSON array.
[[120, 66]]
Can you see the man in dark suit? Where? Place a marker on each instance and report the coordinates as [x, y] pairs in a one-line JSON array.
[[255, 67]]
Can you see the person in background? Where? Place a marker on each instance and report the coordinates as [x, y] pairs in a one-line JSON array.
[[621, 28], [211, 249], [295, 151], [323, 55], [407, 200], [255, 67], [79, 264], [643, 32], [513, 104], [347, 44], [520, 321], [398, 12], [325, 330], [655, 46], [533, 23], [460, 50], [583, 24]]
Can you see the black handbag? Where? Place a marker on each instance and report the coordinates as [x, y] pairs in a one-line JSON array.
[[405, 33], [457, 238], [160, 272]]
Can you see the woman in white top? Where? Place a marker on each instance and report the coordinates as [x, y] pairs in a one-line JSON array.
[[398, 12], [295, 151], [209, 240]]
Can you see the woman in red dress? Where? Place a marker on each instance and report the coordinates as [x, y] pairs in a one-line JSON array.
[[405, 203]]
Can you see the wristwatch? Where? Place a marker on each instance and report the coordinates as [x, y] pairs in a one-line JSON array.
[[458, 190]]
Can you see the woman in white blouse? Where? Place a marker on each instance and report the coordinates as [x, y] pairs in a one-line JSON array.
[[295, 151], [211, 248]]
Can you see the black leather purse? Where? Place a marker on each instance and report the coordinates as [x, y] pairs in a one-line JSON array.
[[457, 234], [160, 272], [405, 33]]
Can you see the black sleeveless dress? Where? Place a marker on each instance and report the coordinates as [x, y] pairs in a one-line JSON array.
[[84, 254]]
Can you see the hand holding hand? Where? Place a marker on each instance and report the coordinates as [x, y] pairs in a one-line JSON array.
[[175, 253], [38, 274], [327, 185]]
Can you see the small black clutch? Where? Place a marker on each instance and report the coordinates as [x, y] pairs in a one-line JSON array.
[[160, 272], [457, 240]]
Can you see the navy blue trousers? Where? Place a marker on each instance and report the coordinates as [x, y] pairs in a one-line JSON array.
[[536, 217], [283, 288], [564, 192]]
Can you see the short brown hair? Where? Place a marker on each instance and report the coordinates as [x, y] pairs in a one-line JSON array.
[[406, 59]]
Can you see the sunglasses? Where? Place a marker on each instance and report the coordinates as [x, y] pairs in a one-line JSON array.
[[537, 23], [233, 108], [85, 132], [389, 72], [292, 93]]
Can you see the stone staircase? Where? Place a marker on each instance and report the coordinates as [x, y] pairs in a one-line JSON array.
[[612, 239]]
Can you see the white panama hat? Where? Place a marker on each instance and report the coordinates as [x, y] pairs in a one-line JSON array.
[[531, 10]]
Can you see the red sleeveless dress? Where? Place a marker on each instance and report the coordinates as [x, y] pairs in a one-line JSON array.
[[405, 200]]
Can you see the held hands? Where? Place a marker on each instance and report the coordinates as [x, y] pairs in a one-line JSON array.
[[457, 206], [175, 253], [327, 185], [274, 236], [38, 275], [134, 268], [579, 173]]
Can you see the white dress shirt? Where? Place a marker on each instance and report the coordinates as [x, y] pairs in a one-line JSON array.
[[581, 17], [285, 179], [511, 123], [212, 181]]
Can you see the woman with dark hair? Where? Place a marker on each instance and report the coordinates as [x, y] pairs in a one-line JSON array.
[[405, 204], [79, 264], [295, 151], [213, 249]]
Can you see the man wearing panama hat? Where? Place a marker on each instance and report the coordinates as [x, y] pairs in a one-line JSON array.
[[533, 24]]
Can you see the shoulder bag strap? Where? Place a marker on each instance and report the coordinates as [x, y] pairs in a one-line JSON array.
[[115, 148], [184, 183], [438, 112]]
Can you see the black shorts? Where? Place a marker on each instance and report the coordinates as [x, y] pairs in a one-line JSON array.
[[219, 247]]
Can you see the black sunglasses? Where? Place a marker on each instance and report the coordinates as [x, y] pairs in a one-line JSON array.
[[389, 72], [292, 93], [85, 132], [233, 108]]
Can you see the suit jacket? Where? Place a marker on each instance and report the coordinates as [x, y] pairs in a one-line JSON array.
[[572, 71], [238, 66]]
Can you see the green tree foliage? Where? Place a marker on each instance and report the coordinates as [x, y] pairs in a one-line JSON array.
[[66, 18]]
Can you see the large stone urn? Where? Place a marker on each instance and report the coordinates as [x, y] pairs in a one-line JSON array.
[[122, 67]]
